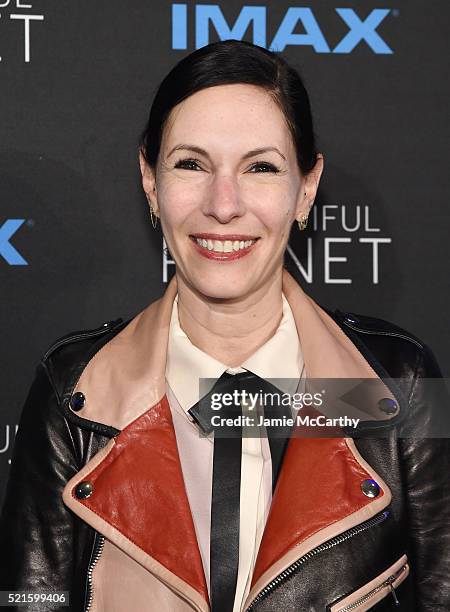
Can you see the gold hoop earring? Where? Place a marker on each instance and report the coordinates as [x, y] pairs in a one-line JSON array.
[[303, 222]]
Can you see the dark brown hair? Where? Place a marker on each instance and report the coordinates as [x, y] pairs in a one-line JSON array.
[[234, 61]]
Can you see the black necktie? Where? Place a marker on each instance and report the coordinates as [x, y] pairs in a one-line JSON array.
[[224, 548], [278, 435]]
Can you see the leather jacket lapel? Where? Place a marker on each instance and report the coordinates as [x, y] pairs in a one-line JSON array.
[[318, 496], [138, 502]]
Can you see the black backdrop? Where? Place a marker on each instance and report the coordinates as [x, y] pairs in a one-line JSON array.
[[77, 80]]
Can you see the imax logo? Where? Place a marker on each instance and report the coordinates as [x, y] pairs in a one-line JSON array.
[[359, 29], [7, 251]]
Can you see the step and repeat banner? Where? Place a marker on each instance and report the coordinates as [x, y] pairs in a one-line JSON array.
[[77, 80]]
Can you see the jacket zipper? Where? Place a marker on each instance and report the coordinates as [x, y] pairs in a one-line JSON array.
[[345, 535], [96, 553], [388, 582]]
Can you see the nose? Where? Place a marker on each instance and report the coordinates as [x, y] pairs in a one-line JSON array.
[[223, 201]]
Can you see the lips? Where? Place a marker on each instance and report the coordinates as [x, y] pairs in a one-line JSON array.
[[223, 247]]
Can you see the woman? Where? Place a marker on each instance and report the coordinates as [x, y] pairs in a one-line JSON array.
[[120, 495]]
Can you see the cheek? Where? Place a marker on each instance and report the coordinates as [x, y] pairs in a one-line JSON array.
[[177, 203], [276, 215], [275, 204]]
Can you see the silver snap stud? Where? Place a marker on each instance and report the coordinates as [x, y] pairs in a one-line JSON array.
[[84, 489], [370, 488]]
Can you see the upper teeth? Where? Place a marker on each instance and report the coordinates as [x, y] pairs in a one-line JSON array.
[[224, 246]]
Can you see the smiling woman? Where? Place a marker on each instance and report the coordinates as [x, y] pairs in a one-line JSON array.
[[125, 491], [233, 192]]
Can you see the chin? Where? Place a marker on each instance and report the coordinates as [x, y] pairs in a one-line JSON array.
[[215, 287]]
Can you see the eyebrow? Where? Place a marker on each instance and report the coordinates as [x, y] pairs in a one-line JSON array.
[[200, 151]]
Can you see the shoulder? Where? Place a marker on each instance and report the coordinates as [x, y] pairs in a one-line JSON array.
[[68, 354], [413, 365], [400, 352], [79, 336], [366, 324]]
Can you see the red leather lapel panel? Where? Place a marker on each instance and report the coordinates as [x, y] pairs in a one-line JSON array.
[[139, 490], [319, 485]]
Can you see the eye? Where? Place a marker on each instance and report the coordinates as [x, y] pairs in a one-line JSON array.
[[186, 164], [267, 167], [192, 164]]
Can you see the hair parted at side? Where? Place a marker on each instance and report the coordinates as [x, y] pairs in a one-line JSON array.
[[234, 61]]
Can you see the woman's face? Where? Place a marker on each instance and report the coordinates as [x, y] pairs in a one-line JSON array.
[[227, 189]]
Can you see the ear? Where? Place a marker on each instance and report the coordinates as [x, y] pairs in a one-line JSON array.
[[309, 188], [148, 182]]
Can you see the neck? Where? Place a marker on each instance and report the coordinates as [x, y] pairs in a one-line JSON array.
[[230, 331]]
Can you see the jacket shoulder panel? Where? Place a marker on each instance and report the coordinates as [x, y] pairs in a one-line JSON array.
[[65, 360], [392, 351], [366, 324], [67, 354], [78, 336]]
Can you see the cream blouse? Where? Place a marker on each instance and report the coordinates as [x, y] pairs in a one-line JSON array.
[[278, 358]]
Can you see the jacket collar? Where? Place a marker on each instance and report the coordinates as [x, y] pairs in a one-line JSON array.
[[139, 469], [127, 375]]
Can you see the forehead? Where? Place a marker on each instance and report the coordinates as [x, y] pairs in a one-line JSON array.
[[238, 114]]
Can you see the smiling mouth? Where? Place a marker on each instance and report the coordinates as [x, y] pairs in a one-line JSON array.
[[222, 248]]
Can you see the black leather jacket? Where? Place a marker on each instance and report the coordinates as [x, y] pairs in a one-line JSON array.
[[43, 546]]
